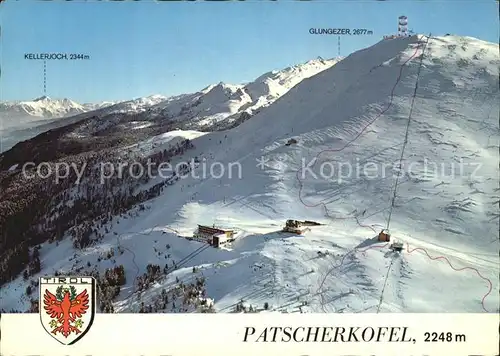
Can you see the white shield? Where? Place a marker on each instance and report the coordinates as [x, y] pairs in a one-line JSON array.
[[67, 307]]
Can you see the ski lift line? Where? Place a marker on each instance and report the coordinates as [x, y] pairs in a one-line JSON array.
[[183, 262], [410, 251], [424, 251], [183, 280], [355, 138], [249, 295], [412, 105], [362, 131], [188, 258], [385, 284]]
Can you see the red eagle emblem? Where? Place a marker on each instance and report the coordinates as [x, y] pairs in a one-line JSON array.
[[66, 308]]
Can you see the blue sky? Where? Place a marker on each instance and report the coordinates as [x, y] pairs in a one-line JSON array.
[[144, 48]]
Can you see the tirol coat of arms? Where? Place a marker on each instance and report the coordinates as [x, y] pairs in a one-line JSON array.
[[67, 307]]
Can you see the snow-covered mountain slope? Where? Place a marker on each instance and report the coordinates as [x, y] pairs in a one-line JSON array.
[[352, 121], [132, 106], [43, 107], [215, 107], [224, 104], [21, 121]]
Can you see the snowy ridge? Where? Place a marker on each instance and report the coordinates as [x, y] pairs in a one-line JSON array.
[[135, 105], [45, 107], [352, 113], [226, 103], [276, 83], [19, 124], [215, 107], [21, 120]]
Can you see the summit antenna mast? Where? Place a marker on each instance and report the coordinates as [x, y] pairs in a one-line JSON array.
[[403, 26]]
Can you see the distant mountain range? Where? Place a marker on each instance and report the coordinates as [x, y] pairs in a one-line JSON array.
[[45, 107], [216, 106]]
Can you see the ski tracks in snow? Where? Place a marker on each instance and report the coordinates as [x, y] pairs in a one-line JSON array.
[[402, 268]]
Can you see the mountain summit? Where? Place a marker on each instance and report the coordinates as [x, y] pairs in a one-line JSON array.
[[42, 98], [43, 108]]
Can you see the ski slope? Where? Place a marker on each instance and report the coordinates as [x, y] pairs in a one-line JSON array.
[[356, 112]]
